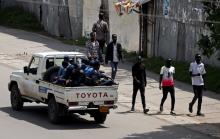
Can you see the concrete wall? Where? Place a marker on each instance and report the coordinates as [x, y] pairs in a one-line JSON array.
[[90, 15], [53, 14], [177, 37], [76, 17], [126, 26]]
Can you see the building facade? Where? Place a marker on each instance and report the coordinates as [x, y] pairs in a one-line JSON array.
[[178, 31], [166, 28]]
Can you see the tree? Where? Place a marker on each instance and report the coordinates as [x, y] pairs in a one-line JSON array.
[[209, 44]]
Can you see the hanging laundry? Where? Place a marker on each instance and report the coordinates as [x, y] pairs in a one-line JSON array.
[[127, 6]]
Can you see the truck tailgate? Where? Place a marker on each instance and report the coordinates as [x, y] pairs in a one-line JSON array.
[[93, 94]]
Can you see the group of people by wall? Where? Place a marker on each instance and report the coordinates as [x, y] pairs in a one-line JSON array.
[[95, 49], [96, 45]]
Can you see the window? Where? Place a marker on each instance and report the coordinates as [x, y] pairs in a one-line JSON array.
[[49, 63]]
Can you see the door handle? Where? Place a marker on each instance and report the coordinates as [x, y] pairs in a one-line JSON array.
[[37, 81]]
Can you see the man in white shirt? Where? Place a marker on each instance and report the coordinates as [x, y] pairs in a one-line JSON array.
[[197, 72], [114, 55]]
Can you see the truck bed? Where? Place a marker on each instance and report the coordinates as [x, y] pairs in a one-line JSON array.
[[83, 95]]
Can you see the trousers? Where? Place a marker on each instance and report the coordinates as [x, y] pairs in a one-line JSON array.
[[114, 66], [166, 90], [197, 95], [142, 92]]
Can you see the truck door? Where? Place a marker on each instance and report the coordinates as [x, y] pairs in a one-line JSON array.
[[30, 79]]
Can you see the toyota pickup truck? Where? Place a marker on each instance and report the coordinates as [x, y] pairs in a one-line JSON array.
[[28, 85]]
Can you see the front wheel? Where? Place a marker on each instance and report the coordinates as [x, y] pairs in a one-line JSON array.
[[100, 117], [16, 99], [53, 111]]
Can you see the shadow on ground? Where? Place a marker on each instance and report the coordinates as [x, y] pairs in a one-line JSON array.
[[170, 132], [38, 115]]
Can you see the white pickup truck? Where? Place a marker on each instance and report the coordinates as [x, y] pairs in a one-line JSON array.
[[28, 85]]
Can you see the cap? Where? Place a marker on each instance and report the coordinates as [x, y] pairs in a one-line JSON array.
[[66, 58]]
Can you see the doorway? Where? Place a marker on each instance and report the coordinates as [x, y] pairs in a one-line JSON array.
[[147, 29]]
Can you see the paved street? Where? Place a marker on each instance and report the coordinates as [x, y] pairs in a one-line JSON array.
[[32, 121]]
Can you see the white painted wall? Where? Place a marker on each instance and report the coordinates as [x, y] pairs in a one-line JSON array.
[[90, 14], [126, 27]]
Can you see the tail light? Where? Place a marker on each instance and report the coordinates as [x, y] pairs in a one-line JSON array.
[[73, 103], [109, 102]]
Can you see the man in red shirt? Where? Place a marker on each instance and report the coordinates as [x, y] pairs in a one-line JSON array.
[[166, 80]]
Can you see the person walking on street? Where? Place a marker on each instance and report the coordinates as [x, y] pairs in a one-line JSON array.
[[101, 29], [197, 72], [114, 55], [139, 83], [93, 49], [167, 82]]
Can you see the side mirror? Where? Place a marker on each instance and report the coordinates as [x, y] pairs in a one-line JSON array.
[[25, 69]]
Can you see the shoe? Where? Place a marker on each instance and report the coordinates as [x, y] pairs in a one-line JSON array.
[[161, 108], [200, 114], [146, 110], [172, 113], [132, 109], [190, 108]]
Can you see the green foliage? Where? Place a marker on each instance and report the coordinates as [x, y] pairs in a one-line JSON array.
[[209, 44], [18, 18], [130, 56]]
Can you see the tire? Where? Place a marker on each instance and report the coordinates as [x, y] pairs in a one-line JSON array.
[[100, 117], [51, 73], [53, 111], [16, 99]]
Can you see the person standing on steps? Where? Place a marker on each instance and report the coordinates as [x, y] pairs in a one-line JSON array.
[[197, 72], [113, 55], [139, 83], [167, 82]]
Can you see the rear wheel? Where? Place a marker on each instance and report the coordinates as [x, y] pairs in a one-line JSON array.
[[53, 111], [100, 117], [16, 99]]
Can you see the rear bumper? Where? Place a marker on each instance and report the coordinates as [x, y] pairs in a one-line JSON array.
[[85, 108]]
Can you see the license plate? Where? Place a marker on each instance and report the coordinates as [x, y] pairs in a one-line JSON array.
[[104, 109]]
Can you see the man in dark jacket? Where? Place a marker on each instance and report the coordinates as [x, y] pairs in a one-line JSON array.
[[139, 83], [113, 55]]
